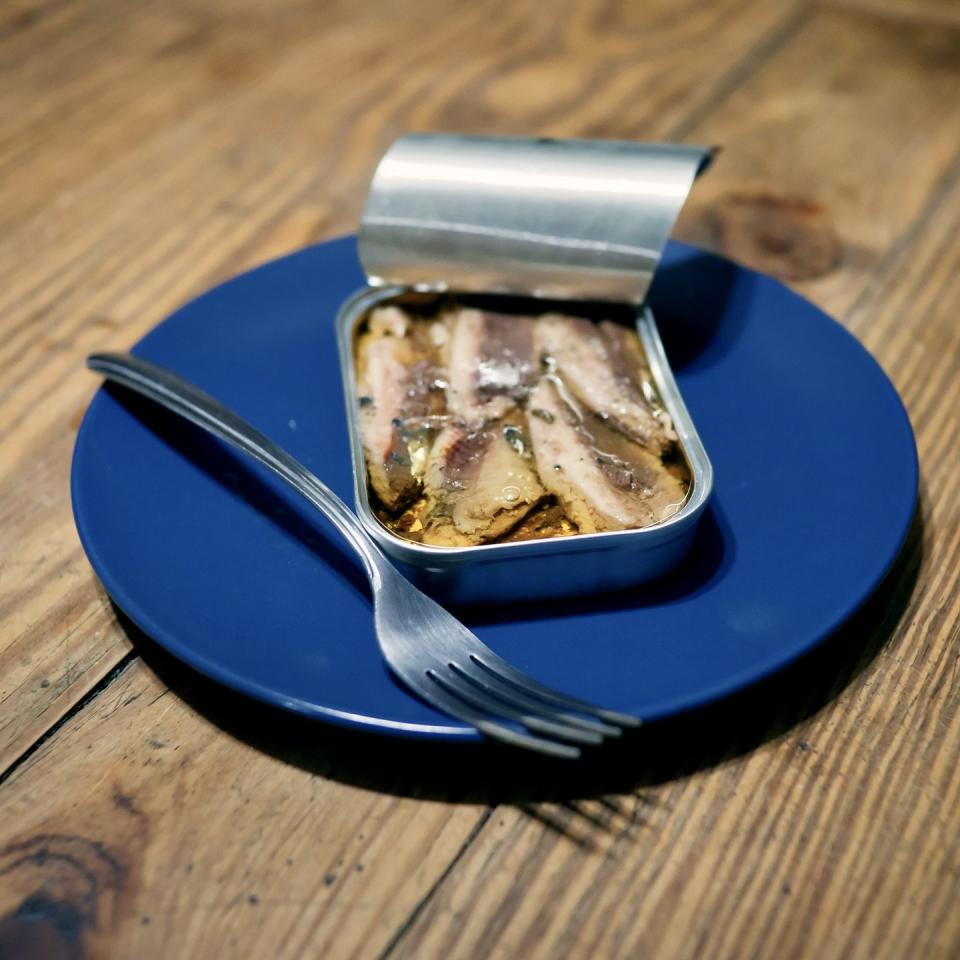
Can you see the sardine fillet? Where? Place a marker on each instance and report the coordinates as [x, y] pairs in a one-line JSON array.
[[490, 365], [590, 368], [477, 486], [596, 494], [389, 392]]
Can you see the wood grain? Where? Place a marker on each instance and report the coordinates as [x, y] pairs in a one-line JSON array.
[[146, 152], [827, 160], [173, 839]]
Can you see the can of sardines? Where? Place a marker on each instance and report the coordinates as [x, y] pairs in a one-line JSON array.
[[516, 430]]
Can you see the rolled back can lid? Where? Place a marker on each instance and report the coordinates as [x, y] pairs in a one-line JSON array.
[[571, 219]]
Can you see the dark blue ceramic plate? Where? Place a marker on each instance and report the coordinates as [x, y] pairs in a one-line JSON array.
[[816, 483]]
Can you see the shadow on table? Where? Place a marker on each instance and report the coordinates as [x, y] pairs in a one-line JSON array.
[[490, 774]]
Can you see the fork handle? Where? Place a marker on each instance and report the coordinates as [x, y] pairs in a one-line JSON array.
[[177, 395]]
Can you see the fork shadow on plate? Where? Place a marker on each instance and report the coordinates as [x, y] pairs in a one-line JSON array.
[[490, 774]]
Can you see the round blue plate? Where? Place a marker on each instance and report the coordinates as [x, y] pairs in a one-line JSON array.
[[816, 484]]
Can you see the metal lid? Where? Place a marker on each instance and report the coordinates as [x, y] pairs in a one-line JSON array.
[[578, 219]]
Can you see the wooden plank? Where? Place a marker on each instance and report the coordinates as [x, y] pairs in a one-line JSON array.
[[167, 64], [833, 839], [837, 838], [124, 209], [831, 153], [141, 829]]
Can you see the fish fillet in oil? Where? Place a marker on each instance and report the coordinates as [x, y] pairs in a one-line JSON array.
[[480, 480], [397, 392], [599, 488], [491, 364], [477, 484], [587, 359]]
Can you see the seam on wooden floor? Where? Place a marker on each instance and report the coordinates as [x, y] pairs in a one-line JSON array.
[[87, 698], [756, 57], [435, 887]]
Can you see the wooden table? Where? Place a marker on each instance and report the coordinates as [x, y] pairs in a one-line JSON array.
[[148, 151]]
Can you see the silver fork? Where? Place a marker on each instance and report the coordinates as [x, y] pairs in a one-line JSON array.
[[425, 646]]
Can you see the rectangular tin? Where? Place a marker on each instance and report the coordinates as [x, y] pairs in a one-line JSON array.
[[535, 569], [573, 220]]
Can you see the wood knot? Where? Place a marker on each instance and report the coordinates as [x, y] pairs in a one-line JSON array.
[[69, 886], [790, 237]]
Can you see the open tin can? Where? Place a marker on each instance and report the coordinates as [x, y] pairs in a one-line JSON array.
[[576, 226]]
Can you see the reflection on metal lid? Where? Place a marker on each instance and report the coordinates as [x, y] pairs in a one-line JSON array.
[[582, 219]]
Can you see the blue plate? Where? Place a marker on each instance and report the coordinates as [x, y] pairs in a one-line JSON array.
[[816, 484]]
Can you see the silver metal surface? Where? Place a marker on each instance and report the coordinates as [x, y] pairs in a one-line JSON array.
[[424, 645], [536, 569], [583, 219]]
